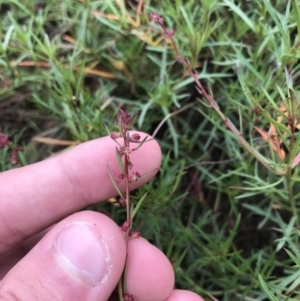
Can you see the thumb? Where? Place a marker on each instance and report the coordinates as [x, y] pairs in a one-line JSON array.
[[80, 258]]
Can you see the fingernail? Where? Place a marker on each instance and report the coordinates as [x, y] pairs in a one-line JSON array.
[[81, 250]]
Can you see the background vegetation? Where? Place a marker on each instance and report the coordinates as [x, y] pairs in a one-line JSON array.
[[229, 225]]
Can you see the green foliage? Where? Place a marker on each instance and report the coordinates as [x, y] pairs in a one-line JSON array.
[[229, 226]]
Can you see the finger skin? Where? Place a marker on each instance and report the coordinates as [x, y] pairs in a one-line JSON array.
[[41, 276], [37, 276], [41, 194], [10, 258], [176, 295], [183, 295], [149, 275]]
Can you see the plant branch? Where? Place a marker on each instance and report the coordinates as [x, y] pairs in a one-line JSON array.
[[270, 165]]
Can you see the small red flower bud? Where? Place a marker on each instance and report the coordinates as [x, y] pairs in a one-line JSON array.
[[118, 119], [130, 165], [170, 32], [157, 18], [128, 297], [115, 135], [122, 150], [123, 120], [135, 176], [135, 137], [153, 15], [135, 234], [125, 226], [122, 201], [119, 178]]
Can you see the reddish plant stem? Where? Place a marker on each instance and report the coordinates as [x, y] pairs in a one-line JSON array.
[[126, 179], [212, 103]]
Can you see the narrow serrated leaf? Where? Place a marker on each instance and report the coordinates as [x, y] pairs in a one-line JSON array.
[[114, 182], [138, 205], [108, 132], [141, 143], [147, 173], [120, 162]]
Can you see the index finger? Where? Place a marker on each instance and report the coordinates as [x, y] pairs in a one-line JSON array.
[[36, 196]]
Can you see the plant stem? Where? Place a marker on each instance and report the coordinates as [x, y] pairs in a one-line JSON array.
[[126, 178], [264, 161]]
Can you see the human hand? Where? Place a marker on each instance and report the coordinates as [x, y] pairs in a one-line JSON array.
[[82, 256]]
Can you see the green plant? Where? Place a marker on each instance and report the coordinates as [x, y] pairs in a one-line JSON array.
[[124, 121], [66, 68]]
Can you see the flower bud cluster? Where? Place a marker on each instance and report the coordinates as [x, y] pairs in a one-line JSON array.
[[123, 138], [128, 297], [124, 120]]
